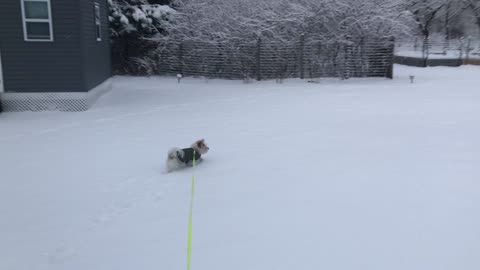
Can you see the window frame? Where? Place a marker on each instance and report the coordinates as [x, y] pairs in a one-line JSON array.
[[26, 20], [97, 23]]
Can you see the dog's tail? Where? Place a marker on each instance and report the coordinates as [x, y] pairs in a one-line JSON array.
[[172, 153]]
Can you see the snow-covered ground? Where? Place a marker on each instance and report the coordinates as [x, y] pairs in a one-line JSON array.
[[362, 174]]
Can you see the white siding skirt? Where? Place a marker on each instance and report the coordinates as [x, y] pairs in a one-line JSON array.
[[54, 101]]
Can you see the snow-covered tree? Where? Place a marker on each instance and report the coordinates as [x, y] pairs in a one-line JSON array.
[[132, 24], [153, 31], [231, 30], [425, 12], [446, 18], [474, 6], [285, 20]]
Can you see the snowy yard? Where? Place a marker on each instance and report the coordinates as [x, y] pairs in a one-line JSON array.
[[363, 174]]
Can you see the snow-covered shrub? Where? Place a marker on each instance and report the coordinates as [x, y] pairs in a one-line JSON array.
[[132, 24]]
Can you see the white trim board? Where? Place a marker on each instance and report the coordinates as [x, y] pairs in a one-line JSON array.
[[97, 20], [2, 85], [53, 101]]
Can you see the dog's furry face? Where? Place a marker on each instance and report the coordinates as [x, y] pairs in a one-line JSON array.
[[200, 146]]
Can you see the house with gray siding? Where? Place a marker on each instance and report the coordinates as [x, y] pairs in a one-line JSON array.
[[54, 54]]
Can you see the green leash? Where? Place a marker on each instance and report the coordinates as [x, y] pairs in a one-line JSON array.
[[189, 245]]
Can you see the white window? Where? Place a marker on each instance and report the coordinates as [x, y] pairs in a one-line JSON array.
[[98, 22], [37, 20]]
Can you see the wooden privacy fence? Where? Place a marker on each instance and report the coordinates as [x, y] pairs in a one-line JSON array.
[[258, 59]]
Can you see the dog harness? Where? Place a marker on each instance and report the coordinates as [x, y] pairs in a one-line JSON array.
[[188, 155]]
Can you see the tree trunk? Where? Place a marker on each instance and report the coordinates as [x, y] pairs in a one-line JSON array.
[[425, 32], [447, 23]]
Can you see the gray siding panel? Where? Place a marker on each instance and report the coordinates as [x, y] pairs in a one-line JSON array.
[[96, 54], [42, 66]]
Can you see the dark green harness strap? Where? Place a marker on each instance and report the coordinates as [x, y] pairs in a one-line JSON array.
[[188, 154]]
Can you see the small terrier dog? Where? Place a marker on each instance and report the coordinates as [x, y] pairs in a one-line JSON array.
[[180, 158]]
